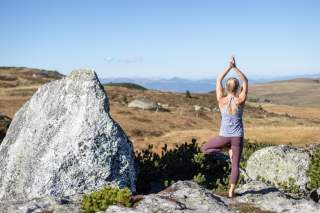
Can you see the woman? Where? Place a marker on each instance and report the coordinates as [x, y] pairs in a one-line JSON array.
[[231, 131]]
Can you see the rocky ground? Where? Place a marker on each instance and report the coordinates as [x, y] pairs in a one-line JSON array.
[[183, 196]]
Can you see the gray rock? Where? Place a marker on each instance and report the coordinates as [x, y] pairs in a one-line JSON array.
[[269, 198], [182, 196], [63, 141], [145, 104], [278, 163], [44, 204]]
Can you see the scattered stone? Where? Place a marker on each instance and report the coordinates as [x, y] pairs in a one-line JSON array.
[[145, 104], [197, 108], [207, 109], [63, 142], [216, 109]]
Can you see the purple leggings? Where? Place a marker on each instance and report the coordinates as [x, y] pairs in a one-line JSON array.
[[217, 143]]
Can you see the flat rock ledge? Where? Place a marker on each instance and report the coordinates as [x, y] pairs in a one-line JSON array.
[[182, 196]]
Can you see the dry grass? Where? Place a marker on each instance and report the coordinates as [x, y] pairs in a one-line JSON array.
[[298, 92], [298, 111], [181, 123]]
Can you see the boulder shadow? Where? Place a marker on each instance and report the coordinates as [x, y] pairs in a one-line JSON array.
[[261, 191]]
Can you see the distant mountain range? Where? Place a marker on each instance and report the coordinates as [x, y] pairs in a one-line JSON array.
[[177, 84]]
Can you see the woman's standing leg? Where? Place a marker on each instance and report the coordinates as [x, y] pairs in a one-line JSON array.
[[215, 144], [236, 146]]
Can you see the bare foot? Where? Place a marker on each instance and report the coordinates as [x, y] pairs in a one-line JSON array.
[[231, 191]]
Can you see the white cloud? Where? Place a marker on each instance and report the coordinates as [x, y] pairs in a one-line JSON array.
[[109, 59], [131, 59], [126, 60]]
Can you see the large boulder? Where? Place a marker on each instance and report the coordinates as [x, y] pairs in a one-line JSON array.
[[63, 141], [279, 164]]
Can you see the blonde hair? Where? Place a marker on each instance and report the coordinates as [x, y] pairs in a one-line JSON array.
[[232, 86]]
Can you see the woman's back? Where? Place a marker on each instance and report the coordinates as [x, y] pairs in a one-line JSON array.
[[231, 125]]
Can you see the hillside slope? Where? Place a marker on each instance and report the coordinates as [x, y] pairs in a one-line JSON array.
[[295, 92], [22, 76]]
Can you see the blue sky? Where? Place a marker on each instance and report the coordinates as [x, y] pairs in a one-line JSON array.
[[162, 38]]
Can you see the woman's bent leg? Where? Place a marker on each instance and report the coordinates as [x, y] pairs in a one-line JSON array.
[[215, 144], [236, 146]]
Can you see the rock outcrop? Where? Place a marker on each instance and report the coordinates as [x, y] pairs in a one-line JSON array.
[[269, 198], [63, 141], [278, 164], [182, 196]]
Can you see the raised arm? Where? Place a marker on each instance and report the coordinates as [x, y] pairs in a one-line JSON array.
[[243, 94], [219, 88]]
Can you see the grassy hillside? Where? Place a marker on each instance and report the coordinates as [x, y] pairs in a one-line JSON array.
[[22, 76], [295, 92], [264, 122]]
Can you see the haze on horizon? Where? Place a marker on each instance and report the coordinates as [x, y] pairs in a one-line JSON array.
[[188, 39]]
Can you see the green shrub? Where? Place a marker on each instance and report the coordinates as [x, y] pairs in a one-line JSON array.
[[101, 199], [184, 162], [199, 179], [313, 171], [289, 186]]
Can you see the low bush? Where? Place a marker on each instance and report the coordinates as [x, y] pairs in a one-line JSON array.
[[313, 171], [101, 199], [184, 162]]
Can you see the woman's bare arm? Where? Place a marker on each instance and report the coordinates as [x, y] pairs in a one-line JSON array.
[[243, 94], [219, 88]]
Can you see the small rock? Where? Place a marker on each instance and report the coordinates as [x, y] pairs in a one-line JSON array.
[[144, 104]]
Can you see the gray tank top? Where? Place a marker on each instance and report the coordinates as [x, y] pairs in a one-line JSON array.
[[231, 125]]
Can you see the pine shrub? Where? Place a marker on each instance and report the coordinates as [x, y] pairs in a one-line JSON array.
[[101, 199], [313, 171]]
